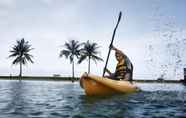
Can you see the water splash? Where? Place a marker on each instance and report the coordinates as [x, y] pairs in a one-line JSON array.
[[166, 55]]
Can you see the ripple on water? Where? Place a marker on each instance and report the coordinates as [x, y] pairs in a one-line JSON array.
[[36, 113], [64, 100]]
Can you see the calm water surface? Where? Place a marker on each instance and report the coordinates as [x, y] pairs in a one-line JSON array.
[[47, 99]]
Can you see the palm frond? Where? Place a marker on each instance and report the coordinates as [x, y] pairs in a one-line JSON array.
[[21, 51], [72, 48], [71, 58], [68, 46], [66, 53], [96, 58], [24, 61], [17, 60], [82, 58], [29, 58], [89, 50]]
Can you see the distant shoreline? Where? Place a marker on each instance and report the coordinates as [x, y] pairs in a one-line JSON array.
[[51, 78], [47, 78]]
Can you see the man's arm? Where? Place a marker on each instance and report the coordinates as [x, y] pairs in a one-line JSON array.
[[108, 71], [117, 50]]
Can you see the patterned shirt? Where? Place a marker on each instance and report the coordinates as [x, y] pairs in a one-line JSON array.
[[120, 70]]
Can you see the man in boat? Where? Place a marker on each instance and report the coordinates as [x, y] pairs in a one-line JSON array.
[[124, 68]]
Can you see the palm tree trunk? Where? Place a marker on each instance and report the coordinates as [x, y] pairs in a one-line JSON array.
[[20, 73], [88, 64], [73, 71]]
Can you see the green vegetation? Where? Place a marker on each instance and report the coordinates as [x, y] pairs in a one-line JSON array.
[[89, 51], [157, 81], [72, 49], [82, 51], [49, 78], [20, 52]]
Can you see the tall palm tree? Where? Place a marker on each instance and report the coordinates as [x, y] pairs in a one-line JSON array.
[[21, 53], [72, 49], [89, 51]]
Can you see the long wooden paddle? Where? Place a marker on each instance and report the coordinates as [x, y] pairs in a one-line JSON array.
[[119, 18]]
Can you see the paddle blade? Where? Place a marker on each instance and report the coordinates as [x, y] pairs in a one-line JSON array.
[[120, 14]]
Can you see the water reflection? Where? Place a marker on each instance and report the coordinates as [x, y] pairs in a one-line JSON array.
[[161, 86], [67, 100], [17, 99]]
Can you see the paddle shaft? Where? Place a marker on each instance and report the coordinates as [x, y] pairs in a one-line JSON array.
[[113, 35]]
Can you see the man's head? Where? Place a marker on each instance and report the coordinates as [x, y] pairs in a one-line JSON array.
[[119, 56]]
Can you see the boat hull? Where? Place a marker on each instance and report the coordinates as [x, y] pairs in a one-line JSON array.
[[96, 85]]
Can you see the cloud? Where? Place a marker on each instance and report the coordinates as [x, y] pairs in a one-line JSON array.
[[5, 7], [47, 24], [47, 1], [7, 3]]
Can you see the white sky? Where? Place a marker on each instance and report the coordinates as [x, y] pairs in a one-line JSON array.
[[48, 24]]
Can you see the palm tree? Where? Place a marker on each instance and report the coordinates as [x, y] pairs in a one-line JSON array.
[[72, 50], [89, 51], [21, 53]]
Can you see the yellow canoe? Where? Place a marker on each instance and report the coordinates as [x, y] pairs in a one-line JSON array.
[[96, 85]]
